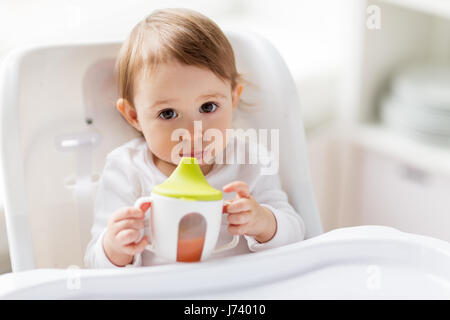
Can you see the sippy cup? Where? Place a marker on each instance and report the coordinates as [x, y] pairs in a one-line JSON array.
[[185, 215]]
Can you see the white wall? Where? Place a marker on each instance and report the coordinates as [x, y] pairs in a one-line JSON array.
[[311, 35]]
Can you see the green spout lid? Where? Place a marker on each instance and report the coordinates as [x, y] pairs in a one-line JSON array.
[[188, 182]]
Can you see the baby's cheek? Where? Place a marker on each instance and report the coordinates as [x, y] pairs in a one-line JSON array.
[[163, 149], [158, 139]]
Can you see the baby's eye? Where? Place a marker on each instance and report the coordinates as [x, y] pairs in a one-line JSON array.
[[208, 107], [168, 114]]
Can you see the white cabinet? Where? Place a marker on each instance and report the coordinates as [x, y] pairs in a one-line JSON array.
[[390, 179], [397, 194]]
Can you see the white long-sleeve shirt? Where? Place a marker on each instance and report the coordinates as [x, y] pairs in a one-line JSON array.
[[131, 173]]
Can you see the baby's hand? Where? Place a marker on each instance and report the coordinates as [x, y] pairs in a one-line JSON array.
[[123, 230], [246, 216]]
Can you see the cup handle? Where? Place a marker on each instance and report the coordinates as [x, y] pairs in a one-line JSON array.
[[139, 202], [230, 245]]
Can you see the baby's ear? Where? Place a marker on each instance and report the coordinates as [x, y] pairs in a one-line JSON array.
[[129, 113], [236, 95]]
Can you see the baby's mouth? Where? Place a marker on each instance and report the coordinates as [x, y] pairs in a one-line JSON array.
[[205, 154], [197, 154]]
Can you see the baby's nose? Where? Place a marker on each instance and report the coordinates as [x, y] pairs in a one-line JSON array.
[[191, 141], [193, 135]]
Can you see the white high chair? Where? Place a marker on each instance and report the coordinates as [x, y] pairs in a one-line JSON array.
[[60, 121], [58, 124]]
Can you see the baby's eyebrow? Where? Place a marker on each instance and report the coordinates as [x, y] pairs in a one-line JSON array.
[[161, 102], [212, 95], [203, 96]]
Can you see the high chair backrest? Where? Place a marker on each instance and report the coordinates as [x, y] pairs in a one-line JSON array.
[[59, 122]]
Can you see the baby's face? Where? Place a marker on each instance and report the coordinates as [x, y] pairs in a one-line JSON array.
[[174, 98]]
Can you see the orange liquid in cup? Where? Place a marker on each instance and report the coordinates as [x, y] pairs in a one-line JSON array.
[[190, 250]]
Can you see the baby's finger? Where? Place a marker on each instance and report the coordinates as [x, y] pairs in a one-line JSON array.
[[127, 224], [127, 236], [226, 203], [237, 229], [136, 248], [144, 207], [240, 187], [239, 205], [128, 213], [239, 218]]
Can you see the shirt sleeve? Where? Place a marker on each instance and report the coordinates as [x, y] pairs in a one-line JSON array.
[[290, 227], [117, 189]]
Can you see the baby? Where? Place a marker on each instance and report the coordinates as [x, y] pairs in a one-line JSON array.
[[177, 69]]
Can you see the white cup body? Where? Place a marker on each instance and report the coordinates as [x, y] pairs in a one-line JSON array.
[[166, 214]]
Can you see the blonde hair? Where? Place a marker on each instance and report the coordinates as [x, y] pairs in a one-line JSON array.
[[181, 34]]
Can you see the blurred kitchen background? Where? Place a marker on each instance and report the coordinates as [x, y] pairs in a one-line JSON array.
[[373, 78]]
